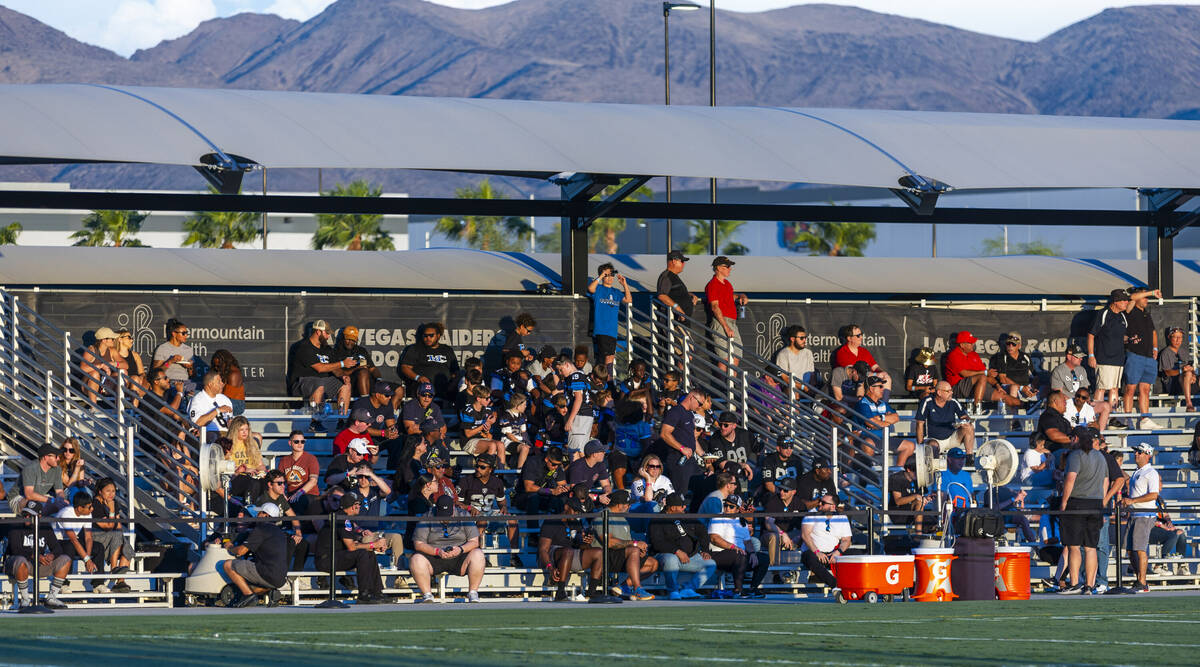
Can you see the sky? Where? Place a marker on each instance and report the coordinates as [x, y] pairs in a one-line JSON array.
[[127, 25]]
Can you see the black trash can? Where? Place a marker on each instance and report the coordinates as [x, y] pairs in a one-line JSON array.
[[973, 571]]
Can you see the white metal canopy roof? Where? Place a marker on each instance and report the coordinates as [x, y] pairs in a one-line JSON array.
[[86, 122]]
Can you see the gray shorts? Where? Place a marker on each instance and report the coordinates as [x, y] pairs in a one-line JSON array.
[[305, 386], [1139, 536], [249, 572], [720, 341], [112, 541], [581, 432]]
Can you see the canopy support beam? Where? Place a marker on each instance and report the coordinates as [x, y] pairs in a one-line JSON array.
[[574, 227], [1163, 205]]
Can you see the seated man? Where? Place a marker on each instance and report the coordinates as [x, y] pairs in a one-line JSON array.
[[681, 545], [360, 420], [275, 494], [310, 373], [1079, 410], [922, 375], [485, 494], [543, 483], [76, 537], [966, 373], [210, 409], [1069, 377], [783, 532], [1176, 367], [779, 465], [731, 554], [382, 423], [50, 559], [814, 484], [360, 375], [625, 554], [356, 453], [879, 417], [40, 481], [826, 535], [420, 409], [564, 546], [350, 551], [796, 360], [1053, 428], [478, 421], [268, 571], [908, 496], [942, 418], [447, 547], [592, 469], [1012, 369], [177, 358], [957, 486]]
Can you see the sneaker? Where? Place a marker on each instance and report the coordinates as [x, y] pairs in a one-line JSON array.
[[1117, 424], [121, 587], [1099, 589], [689, 594], [1163, 568], [52, 602], [1182, 569], [580, 597], [473, 596], [640, 595], [515, 561], [24, 601], [675, 595], [428, 597], [100, 589], [1148, 424], [1088, 590], [245, 601], [315, 426], [753, 595], [562, 596], [1072, 590], [1141, 588]]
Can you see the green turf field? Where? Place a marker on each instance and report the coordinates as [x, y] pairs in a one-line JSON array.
[[1145, 630]]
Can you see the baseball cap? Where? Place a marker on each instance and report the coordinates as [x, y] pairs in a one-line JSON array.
[[957, 453], [710, 454], [965, 337], [728, 417], [432, 460], [360, 415], [320, 325], [786, 484], [733, 500], [619, 497], [861, 367], [444, 506], [383, 388], [349, 499], [105, 332], [784, 441], [430, 425], [722, 260], [676, 254], [1118, 295], [674, 500], [269, 509], [594, 446], [47, 449], [1013, 336], [425, 389], [1076, 351], [547, 351], [1143, 448], [699, 420], [350, 332], [359, 445], [488, 460], [875, 381], [820, 463]]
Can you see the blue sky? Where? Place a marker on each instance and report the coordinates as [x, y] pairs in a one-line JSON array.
[[127, 25]]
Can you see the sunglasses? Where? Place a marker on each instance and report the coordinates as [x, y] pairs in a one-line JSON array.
[[855, 335], [429, 335], [183, 332], [68, 449], [278, 482], [653, 466], [299, 441]]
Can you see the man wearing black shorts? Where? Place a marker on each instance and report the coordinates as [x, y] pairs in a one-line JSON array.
[[446, 548], [607, 298], [310, 372], [1083, 492]]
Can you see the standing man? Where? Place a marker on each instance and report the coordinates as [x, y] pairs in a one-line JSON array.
[[310, 373], [722, 305], [1141, 357], [676, 444], [1083, 492], [1106, 343], [176, 357], [606, 311], [796, 359], [1144, 486], [675, 295]]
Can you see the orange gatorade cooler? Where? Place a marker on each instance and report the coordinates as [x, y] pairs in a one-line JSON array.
[[933, 575], [868, 577], [1012, 573]]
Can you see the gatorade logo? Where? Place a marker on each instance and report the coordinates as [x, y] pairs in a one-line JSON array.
[[941, 571], [892, 574]]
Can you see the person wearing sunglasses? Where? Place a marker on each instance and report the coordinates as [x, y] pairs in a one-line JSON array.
[[795, 359], [275, 493], [177, 357], [734, 554], [428, 360], [445, 547], [363, 373], [483, 494], [852, 351], [1012, 369], [1177, 369], [826, 535]]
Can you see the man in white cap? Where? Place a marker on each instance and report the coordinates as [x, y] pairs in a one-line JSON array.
[[1144, 487], [268, 571]]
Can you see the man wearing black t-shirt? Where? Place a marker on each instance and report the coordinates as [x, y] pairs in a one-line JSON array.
[[907, 495], [543, 483], [1053, 427], [1141, 356], [735, 442], [310, 371], [782, 532], [350, 552], [268, 544], [779, 465], [676, 443], [430, 361], [591, 470], [674, 294], [363, 373], [816, 483], [1013, 369], [421, 409]]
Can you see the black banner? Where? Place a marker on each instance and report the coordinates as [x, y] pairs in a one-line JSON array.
[[892, 332], [259, 328]]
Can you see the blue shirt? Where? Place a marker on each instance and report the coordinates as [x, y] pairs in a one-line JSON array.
[[958, 487], [606, 308], [871, 410], [940, 422]]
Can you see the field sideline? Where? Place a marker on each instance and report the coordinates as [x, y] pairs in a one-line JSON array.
[[1126, 630]]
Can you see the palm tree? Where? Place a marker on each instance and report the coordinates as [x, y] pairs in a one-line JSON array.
[[9, 234], [111, 228], [700, 233], [485, 232], [837, 239], [995, 246], [606, 229], [220, 229], [350, 230]]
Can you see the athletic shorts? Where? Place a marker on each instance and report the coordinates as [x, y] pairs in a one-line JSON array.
[[576, 563], [1108, 377], [452, 566], [305, 386], [964, 389], [249, 572], [1082, 530], [720, 341], [470, 447], [581, 433], [1140, 534], [605, 346], [1140, 369], [955, 440]]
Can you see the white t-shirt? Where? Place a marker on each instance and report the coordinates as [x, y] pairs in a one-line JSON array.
[[827, 531], [1144, 480], [638, 490], [203, 404], [797, 364], [1081, 417], [726, 529], [1030, 458], [61, 527]]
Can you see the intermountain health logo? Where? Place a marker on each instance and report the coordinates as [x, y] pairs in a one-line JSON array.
[[138, 322], [767, 334]]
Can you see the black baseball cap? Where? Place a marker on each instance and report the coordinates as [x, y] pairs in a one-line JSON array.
[[488, 460], [676, 254], [1118, 295], [784, 441], [383, 388], [444, 506], [619, 497], [547, 351], [674, 500], [47, 449], [728, 417], [1075, 350], [349, 499], [875, 381], [361, 415], [786, 484], [430, 425], [820, 463], [862, 367], [722, 260]]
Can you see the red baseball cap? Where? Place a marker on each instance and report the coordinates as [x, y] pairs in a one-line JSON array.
[[965, 337]]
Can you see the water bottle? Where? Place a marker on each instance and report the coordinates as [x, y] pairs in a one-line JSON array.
[[741, 311]]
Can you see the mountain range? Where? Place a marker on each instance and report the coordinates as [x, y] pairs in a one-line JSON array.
[[1139, 61]]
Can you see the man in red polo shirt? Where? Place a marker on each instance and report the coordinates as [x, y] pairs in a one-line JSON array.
[[966, 372], [722, 306]]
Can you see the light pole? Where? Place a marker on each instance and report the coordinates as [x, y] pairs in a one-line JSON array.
[[712, 102], [667, 7]]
